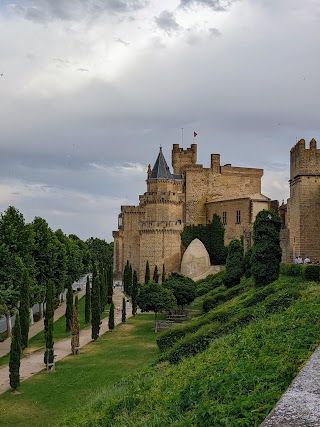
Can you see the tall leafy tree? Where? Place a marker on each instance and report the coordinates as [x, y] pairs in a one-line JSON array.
[[15, 354], [234, 264], [60, 265], [183, 288], [69, 306], [266, 253], [111, 317], [214, 241], [87, 309], [153, 297], [43, 253], [147, 275], [100, 251], [11, 267], [124, 312], [48, 324], [156, 274], [126, 274], [130, 278], [110, 284], [24, 308], [134, 294], [95, 305]]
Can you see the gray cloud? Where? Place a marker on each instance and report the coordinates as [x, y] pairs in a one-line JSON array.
[[214, 32], [46, 10], [217, 5], [166, 21]]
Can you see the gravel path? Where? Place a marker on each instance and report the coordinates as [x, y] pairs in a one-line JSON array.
[[33, 363]]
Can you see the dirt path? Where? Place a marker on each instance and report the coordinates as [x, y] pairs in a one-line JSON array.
[[37, 326], [33, 363]]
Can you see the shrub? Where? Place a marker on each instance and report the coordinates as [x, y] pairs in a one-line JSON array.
[[211, 301], [234, 265], [266, 255], [292, 270], [312, 272], [213, 281]]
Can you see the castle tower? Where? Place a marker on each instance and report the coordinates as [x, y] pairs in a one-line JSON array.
[[304, 200], [181, 157], [160, 229]]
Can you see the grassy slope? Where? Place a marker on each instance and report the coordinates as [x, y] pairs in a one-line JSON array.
[[47, 398], [235, 382]]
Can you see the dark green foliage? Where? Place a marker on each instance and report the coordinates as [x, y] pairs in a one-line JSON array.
[[100, 251], [211, 282], [48, 323], [211, 235], [134, 293], [87, 309], [234, 264], [126, 279], [24, 308], [293, 270], [155, 297], [111, 317], [266, 255], [95, 305], [130, 278], [247, 263], [147, 275], [69, 305], [182, 287], [163, 276], [156, 275], [124, 313], [110, 284], [102, 290], [15, 352], [213, 299], [312, 272]]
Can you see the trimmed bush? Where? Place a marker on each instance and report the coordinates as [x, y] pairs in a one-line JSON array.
[[234, 264], [312, 272], [292, 270]]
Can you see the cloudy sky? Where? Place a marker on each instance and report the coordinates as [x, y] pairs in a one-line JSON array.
[[91, 88]]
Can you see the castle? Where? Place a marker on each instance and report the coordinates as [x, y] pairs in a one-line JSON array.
[[192, 194], [189, 195]]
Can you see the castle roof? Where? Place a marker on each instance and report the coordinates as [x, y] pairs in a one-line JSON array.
[[160, 169]]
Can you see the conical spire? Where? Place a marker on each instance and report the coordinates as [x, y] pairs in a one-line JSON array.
[[160, 169]]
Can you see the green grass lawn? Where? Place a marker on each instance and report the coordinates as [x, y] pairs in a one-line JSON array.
[[59, 332], [47, 398]]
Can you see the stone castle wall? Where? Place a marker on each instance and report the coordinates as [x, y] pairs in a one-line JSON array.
[[304, 202]]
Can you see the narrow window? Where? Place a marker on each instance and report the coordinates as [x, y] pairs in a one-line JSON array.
[[224, 218], [238, 218]]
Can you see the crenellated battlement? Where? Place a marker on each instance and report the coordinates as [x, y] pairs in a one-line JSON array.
[[182, 157], [304, 161]]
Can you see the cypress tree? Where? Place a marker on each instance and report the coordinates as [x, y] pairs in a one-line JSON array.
[[126, 277], [95, 306], [214, 241], [48, 323], [134, 293], [124, 313], [234, 264], [266, 253], [87, 308], [147, 275], [111, 317], [15, 353], [69, 305], [156, 275], [75, 328], [24, 308], [101, 291], [163, 277], [110, 284]]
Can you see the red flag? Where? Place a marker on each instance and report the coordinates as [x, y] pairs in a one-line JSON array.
[[195, 134]]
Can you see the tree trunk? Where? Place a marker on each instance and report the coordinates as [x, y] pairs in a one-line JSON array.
[[9, 324], [41, 309], [31, 317]]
